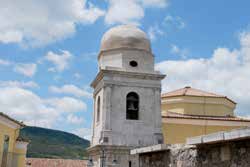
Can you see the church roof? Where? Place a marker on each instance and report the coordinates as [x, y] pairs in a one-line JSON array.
[[188, 91]]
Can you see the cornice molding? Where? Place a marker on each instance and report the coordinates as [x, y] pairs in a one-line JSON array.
[[122, 49], [102, 73], [204, 122]]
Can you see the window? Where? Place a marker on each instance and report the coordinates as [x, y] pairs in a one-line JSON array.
[[130, 164], [98, 109], [133, 63], [132, 106]]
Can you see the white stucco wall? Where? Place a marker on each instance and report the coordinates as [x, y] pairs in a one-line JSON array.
[[121, 58]]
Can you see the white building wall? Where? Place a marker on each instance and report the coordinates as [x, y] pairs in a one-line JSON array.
[[134, 132], [120, 59]]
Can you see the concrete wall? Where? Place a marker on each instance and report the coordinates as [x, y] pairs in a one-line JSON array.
[[230, 154], [177, 133], [159, 159], [119, 153]]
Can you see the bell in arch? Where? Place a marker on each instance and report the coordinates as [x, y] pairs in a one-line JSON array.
[[131, 106]]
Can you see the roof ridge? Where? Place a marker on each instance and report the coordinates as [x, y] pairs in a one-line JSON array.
[[12, 119], [208, 92], [173, 91]]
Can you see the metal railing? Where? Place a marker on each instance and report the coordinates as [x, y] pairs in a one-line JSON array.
[[11, 159]]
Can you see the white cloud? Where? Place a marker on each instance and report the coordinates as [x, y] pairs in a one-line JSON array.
[[20, 84], [11, 36], [37, 23], [4, 62], [121, 11], [77, 75], [27, 69], [61, 61], [175, 21], [169, 22], [85, 133], [154, 32], [154, 3], [225, 72], [24, 105], [179, 51], [70, 89], [73, 119], [130, 11], [67, 104]]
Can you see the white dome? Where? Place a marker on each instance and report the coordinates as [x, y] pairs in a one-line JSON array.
[[125, 36]]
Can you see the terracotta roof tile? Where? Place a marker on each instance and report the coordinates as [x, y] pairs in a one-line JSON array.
[[42, 162], [188, 91]]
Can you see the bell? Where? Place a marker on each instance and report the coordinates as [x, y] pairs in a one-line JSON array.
[[131, 106]]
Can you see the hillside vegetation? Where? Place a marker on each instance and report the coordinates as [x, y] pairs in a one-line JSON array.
[[48, 143]]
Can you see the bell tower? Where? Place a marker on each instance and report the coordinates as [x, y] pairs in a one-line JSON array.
[[127, 95]]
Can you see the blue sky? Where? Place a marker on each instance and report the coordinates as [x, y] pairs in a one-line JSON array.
[[48, 52]]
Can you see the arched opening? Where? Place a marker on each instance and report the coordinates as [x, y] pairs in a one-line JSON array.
[[98, 109], [132, 106]]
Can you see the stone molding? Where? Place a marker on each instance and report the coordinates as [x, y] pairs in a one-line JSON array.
[[204, 122], [237, 134], [112, 73], [102, 52]]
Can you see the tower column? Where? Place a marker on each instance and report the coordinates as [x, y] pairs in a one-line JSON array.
[[107, 107]]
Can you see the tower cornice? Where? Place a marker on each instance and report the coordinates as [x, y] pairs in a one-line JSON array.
[[105, 72]]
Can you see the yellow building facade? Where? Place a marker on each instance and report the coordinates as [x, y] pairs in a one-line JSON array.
[[12, 147], [190, 112]]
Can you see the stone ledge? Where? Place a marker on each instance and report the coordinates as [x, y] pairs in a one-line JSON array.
[[154, 148], [237, 134]]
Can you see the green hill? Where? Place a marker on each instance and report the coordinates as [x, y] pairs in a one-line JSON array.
[[48, 143]]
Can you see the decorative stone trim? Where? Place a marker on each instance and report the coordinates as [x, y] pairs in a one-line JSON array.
[[102, 73], [205, 121]]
